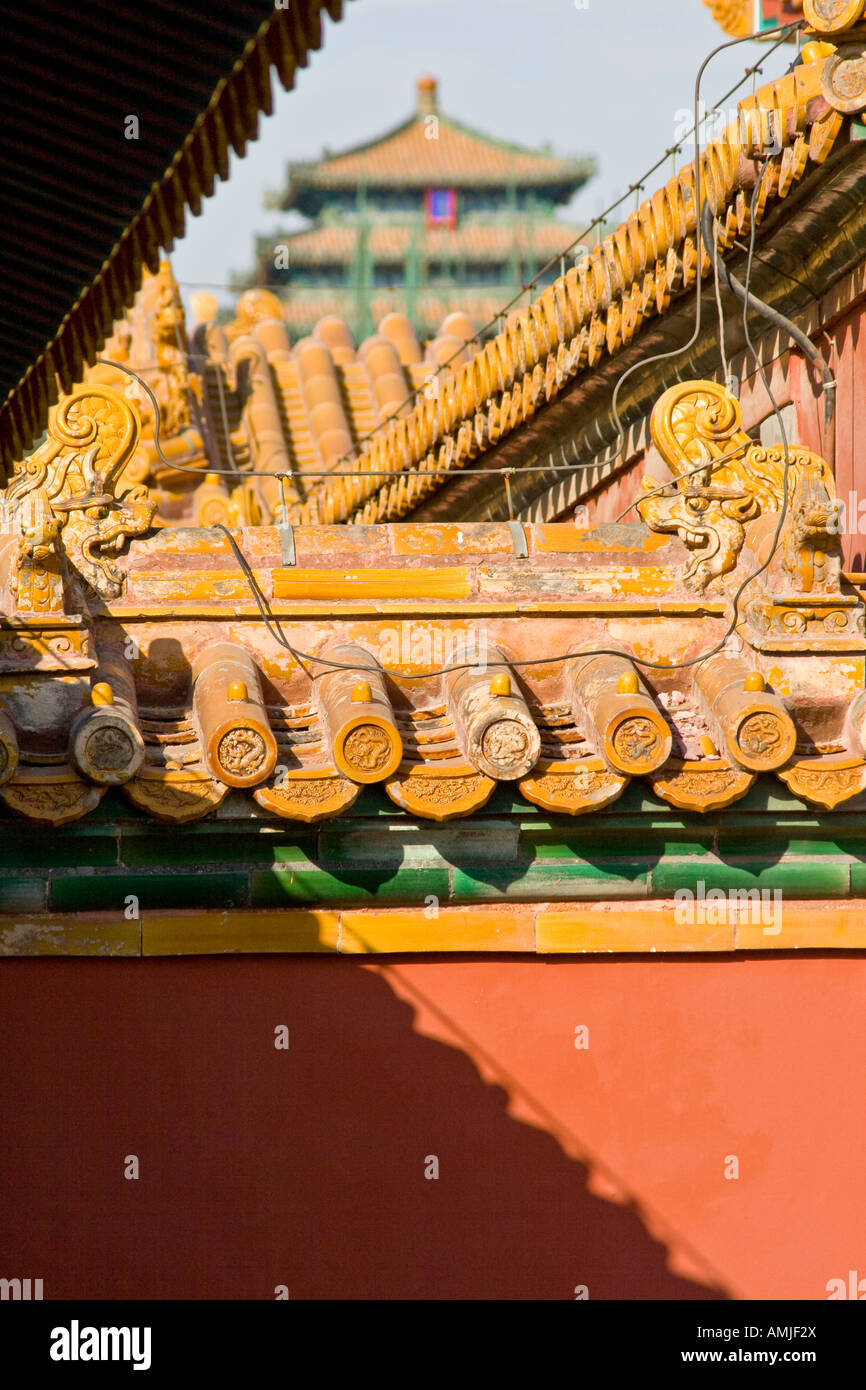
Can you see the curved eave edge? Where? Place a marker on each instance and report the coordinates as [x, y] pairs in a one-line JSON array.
[[564, 177], [229, 122]]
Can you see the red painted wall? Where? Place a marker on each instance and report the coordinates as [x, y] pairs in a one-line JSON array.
[[844, 348], [558, 1166]]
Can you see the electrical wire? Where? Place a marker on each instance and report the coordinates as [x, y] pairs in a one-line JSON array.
[[328, 663], [719, 310], [272, 623], [240, 473], [785, 31], [579, 465]]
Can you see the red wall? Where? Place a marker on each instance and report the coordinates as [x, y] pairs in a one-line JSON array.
[[558, 1166], [844, 348]]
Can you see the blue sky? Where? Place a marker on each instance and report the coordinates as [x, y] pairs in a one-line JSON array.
[[609, 78]]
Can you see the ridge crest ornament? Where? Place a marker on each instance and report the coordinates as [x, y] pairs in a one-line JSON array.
[[62, 503], [595, 664], [723, 482]]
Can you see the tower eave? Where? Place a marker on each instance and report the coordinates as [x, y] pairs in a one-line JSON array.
[[306, 190]]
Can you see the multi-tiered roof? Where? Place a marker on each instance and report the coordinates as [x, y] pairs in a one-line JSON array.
[[427, 218], [417, 154]]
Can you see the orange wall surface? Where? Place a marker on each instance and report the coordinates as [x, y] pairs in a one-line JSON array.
[[559, 1166]]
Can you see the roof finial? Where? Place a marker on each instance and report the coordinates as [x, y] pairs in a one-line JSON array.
[[426, 95]]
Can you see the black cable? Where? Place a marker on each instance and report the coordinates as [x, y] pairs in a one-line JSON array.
[[270, 621], [273, 627], [784, 31], [300, 656], [240, 473], [774, 316], [747, 299]]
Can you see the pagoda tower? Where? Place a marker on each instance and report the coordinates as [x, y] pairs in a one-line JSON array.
[[429, 218]]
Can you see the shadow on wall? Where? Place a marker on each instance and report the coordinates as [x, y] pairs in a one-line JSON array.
[[262, 1167]]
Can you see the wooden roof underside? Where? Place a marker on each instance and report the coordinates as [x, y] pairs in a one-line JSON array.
[[85, 206]]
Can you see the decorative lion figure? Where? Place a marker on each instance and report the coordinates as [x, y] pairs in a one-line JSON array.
[[61, 498], [723, 480]]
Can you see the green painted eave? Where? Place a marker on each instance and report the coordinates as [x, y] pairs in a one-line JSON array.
[[640, 848]]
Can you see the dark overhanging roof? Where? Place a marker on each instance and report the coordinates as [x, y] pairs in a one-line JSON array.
[[84, 206]]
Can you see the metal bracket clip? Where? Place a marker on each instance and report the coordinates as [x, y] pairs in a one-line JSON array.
[[518, 537], [286, 530]]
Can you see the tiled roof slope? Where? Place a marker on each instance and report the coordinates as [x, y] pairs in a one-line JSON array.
[[247, 397], [430, 307], [310, 402], [411, 156], [593, 311], [324, 405], [330, 394]]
